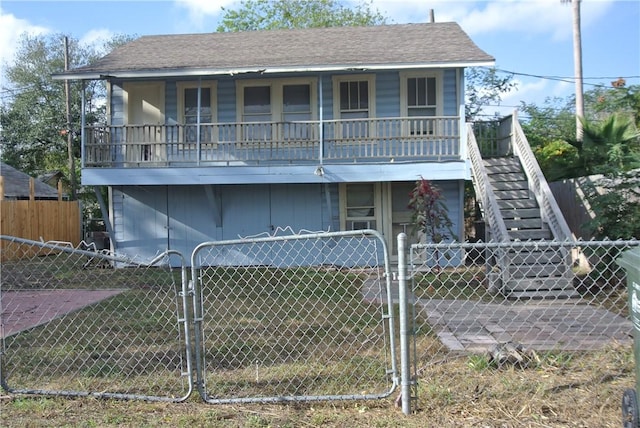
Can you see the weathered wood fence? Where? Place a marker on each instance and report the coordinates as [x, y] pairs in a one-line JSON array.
[[39, 220]]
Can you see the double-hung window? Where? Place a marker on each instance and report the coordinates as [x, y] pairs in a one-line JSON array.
[[421, 94], [359, 205], [354, 104]]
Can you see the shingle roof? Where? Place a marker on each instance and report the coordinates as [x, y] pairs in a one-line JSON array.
[[386, 46], [16, 185]]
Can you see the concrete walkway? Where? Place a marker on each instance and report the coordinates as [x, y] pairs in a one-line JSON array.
[[474, 326]]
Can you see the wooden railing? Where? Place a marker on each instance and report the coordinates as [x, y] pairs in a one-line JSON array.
[[551, 213], [358, 140]]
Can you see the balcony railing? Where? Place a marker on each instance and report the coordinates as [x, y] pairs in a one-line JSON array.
[[357, 140]]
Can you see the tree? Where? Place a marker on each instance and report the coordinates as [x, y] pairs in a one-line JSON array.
[[33, 120], [484, 87], [609, 146], [614, 201], [280, 14]]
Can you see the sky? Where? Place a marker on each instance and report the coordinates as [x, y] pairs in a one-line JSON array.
[[531, 38]]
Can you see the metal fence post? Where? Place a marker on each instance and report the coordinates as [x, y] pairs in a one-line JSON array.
[[405, 363]]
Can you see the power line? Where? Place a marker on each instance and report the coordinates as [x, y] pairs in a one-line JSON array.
[[567, 79]]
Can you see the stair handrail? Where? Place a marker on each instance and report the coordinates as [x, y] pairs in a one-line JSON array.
[[484, 191], [538, 184]]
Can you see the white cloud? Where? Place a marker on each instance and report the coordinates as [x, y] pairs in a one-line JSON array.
[[11, 30], [207, 7], [97, 37], [526, 18], [199, 10]]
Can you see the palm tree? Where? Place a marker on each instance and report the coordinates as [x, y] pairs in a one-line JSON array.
[[609, 146]]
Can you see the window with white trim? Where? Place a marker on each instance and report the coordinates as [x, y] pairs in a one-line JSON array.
[[354, 99], [359, 202], [421, 96], [283, 103], [196, 106]]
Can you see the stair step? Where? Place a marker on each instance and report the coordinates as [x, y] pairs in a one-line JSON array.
[[538, 284], [510, 185], [529, 257], [530, 234], [511, 160], [520, 213], [512, 194], [543, 294], [517, 203], [524, 224], [507, 176], [503, 169], [549, 271]]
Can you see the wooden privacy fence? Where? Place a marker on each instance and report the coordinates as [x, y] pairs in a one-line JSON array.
[[38, 220]]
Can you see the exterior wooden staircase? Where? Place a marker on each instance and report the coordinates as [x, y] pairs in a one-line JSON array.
[[521, 216]]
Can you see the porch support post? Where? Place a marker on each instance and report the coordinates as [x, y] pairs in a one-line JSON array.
[[198, 121], [105, 216], [462, 125], [321, 114], [83, 104]]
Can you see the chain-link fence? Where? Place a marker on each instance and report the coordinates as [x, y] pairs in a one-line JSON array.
[[303, 317], [515, 304], [297, 318], [74, 324]]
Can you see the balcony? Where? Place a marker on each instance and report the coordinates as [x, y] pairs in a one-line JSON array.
[[235, 144]]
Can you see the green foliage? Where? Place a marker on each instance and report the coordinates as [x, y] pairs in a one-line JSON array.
[[34, 121], [430, 214], [483, 87], [615, 202], [609, 146], [557, 159], [602, 101], [553, 121], [254, 15]]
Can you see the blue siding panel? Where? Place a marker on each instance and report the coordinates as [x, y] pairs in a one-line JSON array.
[[227, 100], [388, 94], [450, 93], [117, 104]]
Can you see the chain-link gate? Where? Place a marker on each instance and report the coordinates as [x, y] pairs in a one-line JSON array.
[[73, 325], [512, 304], [294, 318]]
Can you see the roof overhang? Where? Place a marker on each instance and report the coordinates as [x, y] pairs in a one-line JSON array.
[[200, 72]]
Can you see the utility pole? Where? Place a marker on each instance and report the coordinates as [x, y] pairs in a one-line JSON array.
[[67, 91], [577, 65]]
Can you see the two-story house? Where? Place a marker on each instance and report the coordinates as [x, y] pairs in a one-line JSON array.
[[224, 135]]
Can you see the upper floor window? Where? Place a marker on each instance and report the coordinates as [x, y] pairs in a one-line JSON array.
[[196, 106], [421, 97], [283, 104], [353, 99]]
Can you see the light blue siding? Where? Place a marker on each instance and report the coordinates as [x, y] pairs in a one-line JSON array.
[[117, 104], [226, 100], [388, 94], [450, 94]]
